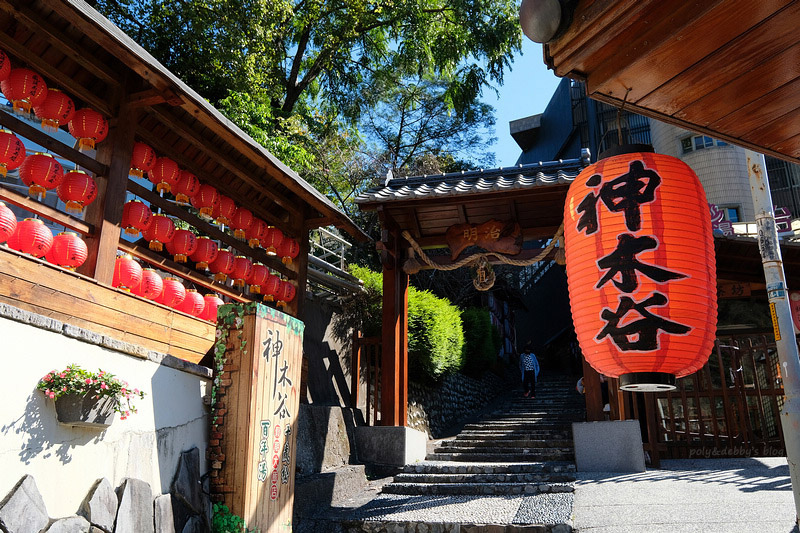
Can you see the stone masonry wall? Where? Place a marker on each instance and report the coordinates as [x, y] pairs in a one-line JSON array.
[[433, 409]]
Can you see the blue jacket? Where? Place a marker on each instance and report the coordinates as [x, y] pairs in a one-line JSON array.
[[528, 359]]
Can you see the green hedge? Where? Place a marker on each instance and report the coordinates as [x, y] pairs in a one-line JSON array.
[[481, 341], [435, 333]]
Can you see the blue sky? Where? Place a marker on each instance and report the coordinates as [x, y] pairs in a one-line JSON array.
[[526, 91]]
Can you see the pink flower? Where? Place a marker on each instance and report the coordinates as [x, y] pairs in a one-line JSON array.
[[64, 389], [50, 394], [103, 386], [62, 375], [88, 381], [124, 391]]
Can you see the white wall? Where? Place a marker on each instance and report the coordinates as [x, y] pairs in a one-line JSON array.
[[66, 461]]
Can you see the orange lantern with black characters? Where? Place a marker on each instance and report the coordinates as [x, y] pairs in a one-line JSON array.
[[641, 268]]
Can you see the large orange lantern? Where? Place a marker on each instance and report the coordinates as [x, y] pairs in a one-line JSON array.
[[641, 269]]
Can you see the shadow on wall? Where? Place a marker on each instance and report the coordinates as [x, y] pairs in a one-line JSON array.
[[326, 380], [41, 434]]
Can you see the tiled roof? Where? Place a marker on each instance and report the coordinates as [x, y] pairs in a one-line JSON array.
[[474, 182]]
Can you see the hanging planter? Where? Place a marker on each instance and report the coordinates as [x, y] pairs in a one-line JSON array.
[[88, 399]]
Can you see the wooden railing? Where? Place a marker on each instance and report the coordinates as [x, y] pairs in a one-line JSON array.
[[730, 408], [366, 364]]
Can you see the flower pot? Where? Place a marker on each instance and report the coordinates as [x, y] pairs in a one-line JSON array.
[[84, 410]]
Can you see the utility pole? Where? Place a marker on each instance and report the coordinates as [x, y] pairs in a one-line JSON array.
[[781, 316]]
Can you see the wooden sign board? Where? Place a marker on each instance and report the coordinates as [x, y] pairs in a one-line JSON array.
[[493, 236], [264, 353], [733, 290]]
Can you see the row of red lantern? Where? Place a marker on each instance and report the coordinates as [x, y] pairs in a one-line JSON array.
[[27, 90], [167, 176], [42, 172], [32, 237]]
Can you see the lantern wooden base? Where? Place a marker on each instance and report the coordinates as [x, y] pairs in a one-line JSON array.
[[647, 382]]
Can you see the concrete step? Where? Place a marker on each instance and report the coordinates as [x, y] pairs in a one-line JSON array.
[[453, 467], [453, 489], [509, 442], [538, 477], [520, 426], [500, 457], [457, 448], [382, 526]]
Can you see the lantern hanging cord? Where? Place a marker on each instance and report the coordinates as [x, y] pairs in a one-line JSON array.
[[619, 116], [484, 255]]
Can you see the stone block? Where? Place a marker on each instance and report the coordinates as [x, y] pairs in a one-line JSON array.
[[194, 525], [318, 490], [611, 446], [23, 509], [135, 512], [324, 436], [164, 518], [71, 524], [390, 445], [82, 334], [186, 485], [100, 506]]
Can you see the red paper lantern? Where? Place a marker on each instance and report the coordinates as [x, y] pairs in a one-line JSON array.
[[56, 110], [193, 304], [5, 66], [205, 253], [12, 152], [173, 293], [77, 190], [258, 277], [641, 269], [24, 88], [205, 199], [222, 265], [8, 223], [89, 127], [13, 239], [271, 288], [68, 250], [160, 232], [143, 158], [187, 187], [182, 245], [255, 231], [271, 239], [286, 293], [136, 217], [288, 250], [224, 210], [40, 172], [242, 268], [164, 174], [127, 273], [151, 285], [241, 221], [34, 237], [212, 303]]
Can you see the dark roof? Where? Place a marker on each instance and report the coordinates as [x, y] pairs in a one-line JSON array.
[[474, 182]]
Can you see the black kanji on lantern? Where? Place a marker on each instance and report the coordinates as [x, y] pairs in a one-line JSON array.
[[641, 334], [625, 194], [623, 261]]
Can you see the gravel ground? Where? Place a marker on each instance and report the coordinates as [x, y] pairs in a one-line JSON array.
[[545, 509]]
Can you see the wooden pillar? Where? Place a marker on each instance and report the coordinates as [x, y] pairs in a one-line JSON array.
[[105, 213], [254, 426], [592, 393], [300, 266], [394, 364]]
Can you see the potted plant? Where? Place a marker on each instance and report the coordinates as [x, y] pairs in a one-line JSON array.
[[88, 399]]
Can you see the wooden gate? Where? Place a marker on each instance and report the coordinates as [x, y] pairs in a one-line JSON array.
[[730, 408]]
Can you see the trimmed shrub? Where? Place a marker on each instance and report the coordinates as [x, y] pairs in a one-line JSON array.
[[481, 341]]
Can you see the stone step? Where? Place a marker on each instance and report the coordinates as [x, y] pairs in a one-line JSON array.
[[518, 426], [453, 489], [538, 477], [452, 467], [382, 526], [499, 457], [458, 448], [509, 442]]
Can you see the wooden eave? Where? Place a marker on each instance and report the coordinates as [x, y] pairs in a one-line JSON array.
[[726, 68], [79, 51]]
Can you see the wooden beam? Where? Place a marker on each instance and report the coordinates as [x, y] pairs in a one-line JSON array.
[[53, 75], [147, 98], [45, 140], [58, 39], [296, 307], [257, 209], [222, 158], [106, 212], [167, 265], [212, 231], [69, 222]]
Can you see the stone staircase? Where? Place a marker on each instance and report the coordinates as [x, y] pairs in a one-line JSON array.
[[524, 447]]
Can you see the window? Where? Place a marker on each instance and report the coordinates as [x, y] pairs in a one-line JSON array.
[[732, 214], [698, 142]]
